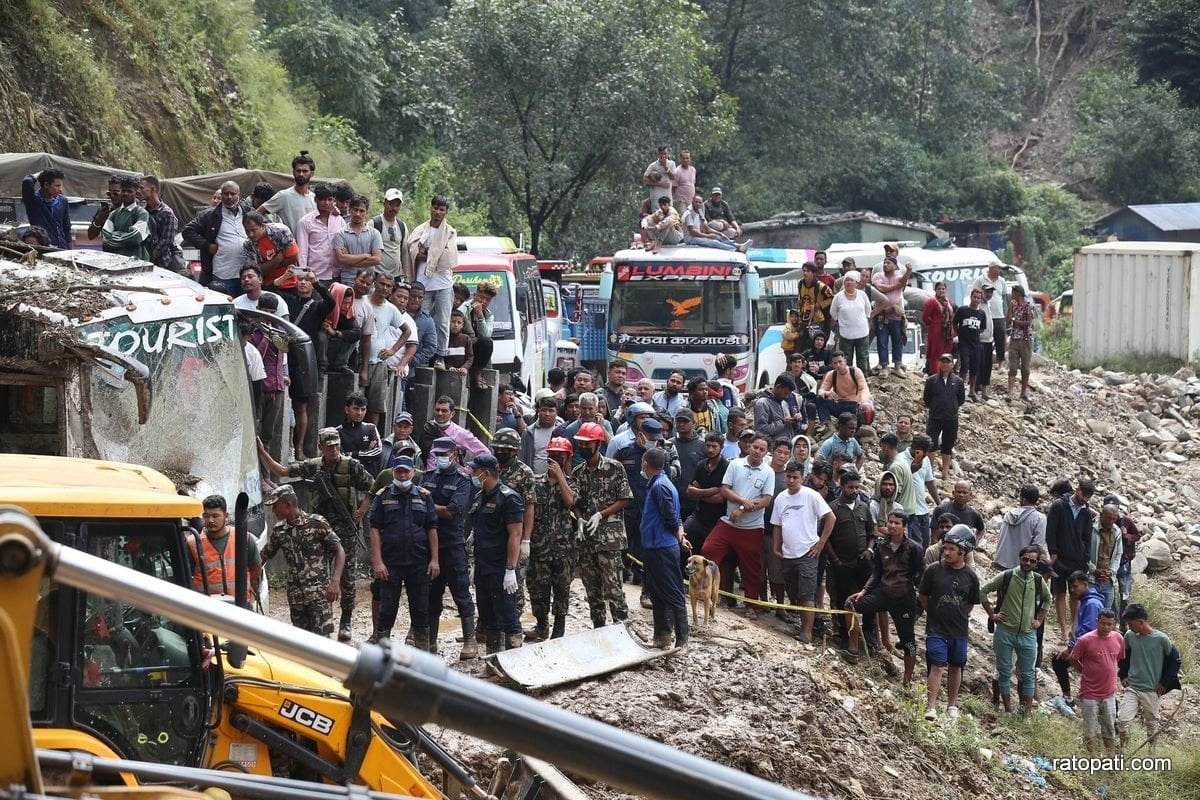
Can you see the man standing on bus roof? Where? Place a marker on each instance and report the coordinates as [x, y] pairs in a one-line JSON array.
[[660, 176], [698, 234], [47, 207], [433, 252], [720, 215]]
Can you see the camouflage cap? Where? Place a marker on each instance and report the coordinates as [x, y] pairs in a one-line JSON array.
[[329, 436], [282, 492], [506, 437]]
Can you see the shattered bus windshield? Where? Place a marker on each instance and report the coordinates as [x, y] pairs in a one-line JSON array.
[[201, 423]]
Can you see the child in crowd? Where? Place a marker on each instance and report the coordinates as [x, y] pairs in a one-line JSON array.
[[459, 354]]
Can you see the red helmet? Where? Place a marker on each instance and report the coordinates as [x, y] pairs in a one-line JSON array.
[[590, 432], [560, 445]]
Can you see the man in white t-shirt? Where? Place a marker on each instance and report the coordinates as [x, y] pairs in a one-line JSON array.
[[660, 176], [364, 312], [996, 306], [394, 262], [255, 368], [747, 489], [801, 522], [252, 292], [919, 464], [389, 330]]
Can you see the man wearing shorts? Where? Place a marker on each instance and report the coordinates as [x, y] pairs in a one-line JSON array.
[[944, 394], [801, 522], [949, 589], [1020, 344], [898, 565]]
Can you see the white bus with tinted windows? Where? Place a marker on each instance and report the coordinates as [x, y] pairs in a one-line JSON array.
[[678, 310]]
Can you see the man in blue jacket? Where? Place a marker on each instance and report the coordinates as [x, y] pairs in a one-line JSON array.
[[46, 206], [662, 536], [1090, 604]]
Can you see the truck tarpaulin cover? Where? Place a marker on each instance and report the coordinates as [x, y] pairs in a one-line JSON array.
[[665, 271]]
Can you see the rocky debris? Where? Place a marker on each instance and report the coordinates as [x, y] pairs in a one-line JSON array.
[[1137, 436]]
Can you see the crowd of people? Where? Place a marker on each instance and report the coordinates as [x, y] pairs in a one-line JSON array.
[[621, 483]]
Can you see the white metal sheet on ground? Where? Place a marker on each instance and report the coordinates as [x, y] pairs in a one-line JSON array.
[[571, 658]]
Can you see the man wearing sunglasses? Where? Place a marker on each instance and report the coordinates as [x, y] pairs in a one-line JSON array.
[[1023, 599], [395, 259]]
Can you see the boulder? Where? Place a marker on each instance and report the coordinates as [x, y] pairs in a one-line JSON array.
[[1151, 421], [1102, 428], [1157, 553]]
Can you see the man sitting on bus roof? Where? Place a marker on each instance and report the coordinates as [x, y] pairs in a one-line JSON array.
[[720, 215], [662, 227], [699, 234]]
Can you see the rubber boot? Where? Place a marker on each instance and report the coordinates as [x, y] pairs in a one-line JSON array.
[[662, 628], [421, 638], [539, 632], [470, 648], [493, 642], [513, 640], [379, 636], [344, 628], [681, 626], [434, 624], [598, 618], [479, 635], [560, 627]]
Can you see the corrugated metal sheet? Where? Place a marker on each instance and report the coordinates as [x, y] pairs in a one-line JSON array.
[[1170, 216], [1136, 298]]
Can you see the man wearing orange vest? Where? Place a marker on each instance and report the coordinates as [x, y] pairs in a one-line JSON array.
[[213, 572]]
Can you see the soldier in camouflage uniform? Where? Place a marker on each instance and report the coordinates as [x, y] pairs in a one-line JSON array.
[[308, 544], [552, 552], [351, 482], [518, 477], [602, 492]]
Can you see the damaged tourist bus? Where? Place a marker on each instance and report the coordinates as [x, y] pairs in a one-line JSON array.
[[109, 357]]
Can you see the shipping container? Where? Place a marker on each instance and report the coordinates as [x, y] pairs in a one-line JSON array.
[[1135, 299]]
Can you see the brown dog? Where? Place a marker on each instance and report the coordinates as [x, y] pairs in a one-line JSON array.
[[704, 581]]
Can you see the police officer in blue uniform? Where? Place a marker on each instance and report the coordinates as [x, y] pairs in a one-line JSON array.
[[450, 490], [497, 516], [404, 551], [630, 456]]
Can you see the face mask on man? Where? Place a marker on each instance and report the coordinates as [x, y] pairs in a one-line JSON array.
[[505, 456], [443, 463], [403, 486], [476, 481]]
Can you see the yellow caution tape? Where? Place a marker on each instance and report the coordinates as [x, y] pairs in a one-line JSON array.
[[483, 428], [854, 615]]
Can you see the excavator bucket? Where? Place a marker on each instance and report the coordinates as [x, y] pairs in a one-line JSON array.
[[539, 666]]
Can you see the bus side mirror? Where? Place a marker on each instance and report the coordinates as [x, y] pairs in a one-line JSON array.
[[753, 286], [606, 284]]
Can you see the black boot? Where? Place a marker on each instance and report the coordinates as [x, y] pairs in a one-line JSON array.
[[434, 624], [494, 641], [662, 627], [598, 618], [560, 627], [470, 648], [681, 626], [538, 632], [421, 638]]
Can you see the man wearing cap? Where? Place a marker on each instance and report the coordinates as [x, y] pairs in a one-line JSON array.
[[634, 415], [602, 493], [943, 395], [404, 552], [995, 305], [520, 479], [443, 424], [496, 518], [553, 554], [698, 233], [345, 507], [720, 216], [689, 448], [308, 544], [649, 432], [450, 491], [395, 261]]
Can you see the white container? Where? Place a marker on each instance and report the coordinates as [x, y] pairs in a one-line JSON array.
[[1135, 299]]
